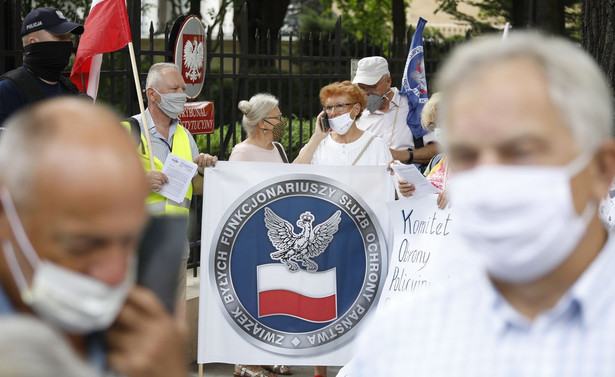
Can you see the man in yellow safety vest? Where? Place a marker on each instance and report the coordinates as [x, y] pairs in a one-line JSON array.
[[165, 89]]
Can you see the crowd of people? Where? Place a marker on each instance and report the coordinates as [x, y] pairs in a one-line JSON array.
[[518, 138]]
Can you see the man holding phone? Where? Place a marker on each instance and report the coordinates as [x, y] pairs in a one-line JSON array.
[[72, 210]]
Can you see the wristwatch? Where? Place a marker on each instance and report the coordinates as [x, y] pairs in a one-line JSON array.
[[411, 152]]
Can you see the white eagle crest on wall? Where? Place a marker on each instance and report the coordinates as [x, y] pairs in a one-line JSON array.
[[193, 59], [310, 243]]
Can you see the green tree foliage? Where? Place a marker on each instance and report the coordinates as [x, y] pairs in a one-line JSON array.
[[74, 10], [560, 17], [367, 17]]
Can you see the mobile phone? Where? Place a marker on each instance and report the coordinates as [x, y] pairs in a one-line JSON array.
[[159, 257], [325, 123]]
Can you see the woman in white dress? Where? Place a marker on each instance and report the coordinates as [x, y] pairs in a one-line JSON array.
[[342, 143]]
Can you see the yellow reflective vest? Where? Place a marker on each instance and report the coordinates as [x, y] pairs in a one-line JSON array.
[[156, 203]]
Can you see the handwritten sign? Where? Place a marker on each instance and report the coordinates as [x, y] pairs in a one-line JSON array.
[[419, 255]]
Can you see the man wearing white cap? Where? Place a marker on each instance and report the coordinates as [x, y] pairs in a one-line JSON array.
[[386, 113]]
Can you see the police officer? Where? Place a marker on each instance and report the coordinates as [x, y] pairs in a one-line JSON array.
[[47, 40]]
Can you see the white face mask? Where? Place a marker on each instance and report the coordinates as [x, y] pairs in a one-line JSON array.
[[72, 301], [342, 123], [172, 104], [520, 219]]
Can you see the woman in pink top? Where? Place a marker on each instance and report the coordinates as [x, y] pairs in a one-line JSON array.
[[265, 126]]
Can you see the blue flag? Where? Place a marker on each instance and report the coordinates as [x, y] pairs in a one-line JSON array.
[[414, 83]]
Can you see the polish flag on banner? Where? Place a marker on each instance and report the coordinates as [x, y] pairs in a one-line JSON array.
[[106, 30], [311, 296]]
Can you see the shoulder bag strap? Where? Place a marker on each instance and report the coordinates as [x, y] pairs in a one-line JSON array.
[[363, 150], [280, 149]]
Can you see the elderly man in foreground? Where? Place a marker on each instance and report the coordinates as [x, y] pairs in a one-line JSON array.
[[72, 195], [527, 124]]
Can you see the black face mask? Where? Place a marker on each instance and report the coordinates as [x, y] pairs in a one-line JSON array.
[[47, 59]]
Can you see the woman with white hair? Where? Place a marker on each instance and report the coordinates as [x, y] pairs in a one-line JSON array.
[[265, 126]]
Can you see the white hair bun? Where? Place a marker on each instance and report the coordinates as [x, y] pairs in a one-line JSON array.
[[245, 106]]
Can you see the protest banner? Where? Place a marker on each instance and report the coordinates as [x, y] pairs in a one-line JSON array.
[[424, 252], [418, 228], [292, 260]]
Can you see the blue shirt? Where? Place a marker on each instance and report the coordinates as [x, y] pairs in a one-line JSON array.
[[471, 330], [13, 99], [6, 307], [95, 342]]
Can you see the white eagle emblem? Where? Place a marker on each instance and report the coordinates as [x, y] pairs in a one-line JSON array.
[[193, 59], [310, 243]]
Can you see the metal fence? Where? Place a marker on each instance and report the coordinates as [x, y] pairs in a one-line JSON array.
[[291, 67]]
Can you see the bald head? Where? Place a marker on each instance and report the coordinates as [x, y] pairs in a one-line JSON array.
[[67, 142], [78, 185]]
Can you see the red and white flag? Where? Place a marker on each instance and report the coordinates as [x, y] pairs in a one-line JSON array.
[[311, 296], [106, 29]]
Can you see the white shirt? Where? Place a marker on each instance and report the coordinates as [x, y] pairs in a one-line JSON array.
[[471, 330], [391, 125], [330, 152]]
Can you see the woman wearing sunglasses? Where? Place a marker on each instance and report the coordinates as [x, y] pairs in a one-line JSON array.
[[265, 126]]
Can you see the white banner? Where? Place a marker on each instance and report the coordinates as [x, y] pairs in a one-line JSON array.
[[425, 252], [293, 258]]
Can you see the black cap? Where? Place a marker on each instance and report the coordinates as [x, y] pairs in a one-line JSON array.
[[49, 19]]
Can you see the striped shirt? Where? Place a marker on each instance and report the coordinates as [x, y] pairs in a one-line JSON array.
[[471, 330], [161, 147]]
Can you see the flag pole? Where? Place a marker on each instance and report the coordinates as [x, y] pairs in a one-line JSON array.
[[135, 74]]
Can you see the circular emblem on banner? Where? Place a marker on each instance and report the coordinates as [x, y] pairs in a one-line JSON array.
[[297, 264], [190, 55]]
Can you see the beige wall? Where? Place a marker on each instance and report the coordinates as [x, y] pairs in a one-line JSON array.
[[447, 25]]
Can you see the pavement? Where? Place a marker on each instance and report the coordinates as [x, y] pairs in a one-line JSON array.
[[226, 370], [220, 369]]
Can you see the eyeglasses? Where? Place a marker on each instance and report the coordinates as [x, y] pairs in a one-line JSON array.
[[278, 117], [339, 107]]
